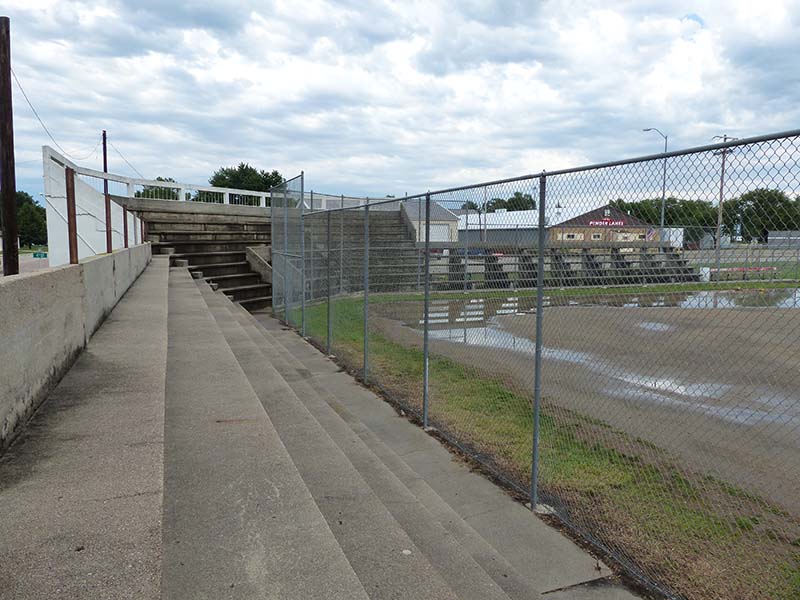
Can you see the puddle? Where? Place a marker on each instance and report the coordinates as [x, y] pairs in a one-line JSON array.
[[659, 327], [694, 396]]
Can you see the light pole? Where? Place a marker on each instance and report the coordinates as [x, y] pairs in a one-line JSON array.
[[663, 179]]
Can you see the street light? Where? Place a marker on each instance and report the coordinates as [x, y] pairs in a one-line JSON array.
[[663, 177]]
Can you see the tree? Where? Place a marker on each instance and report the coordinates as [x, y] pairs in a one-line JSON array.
[[161, 193], [695, 217], [518, 201], [757, 212], [31, 221], [245, 177], [469, 205]]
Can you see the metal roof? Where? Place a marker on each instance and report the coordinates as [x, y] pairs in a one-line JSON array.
[[415, 209]]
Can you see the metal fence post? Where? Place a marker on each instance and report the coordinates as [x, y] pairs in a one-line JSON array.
[[286, 277], [302, 257], [311, 280], [328, 247], [341, 247], [537, 372], [426, 318], [366, 291]]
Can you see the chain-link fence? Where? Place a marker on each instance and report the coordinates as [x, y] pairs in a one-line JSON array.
[[618, 342]]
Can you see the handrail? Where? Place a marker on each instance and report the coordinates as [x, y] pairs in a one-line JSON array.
[[52, 155]]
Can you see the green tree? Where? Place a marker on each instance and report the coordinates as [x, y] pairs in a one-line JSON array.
[[757, 212], [245, 177], [695, 217], [469, 205], [518, 201], [158, 192], [31, 221]]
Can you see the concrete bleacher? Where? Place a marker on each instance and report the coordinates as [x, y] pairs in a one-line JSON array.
[[196, 450]]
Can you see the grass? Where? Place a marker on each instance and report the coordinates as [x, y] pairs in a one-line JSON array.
[[701, 537], [29, 250]]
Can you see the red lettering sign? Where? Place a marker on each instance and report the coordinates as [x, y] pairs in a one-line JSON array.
[[607, 223]]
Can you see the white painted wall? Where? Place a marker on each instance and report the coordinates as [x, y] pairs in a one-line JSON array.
[[90, 210]]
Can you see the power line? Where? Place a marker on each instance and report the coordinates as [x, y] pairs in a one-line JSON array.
[[46, 130], [135, 170]]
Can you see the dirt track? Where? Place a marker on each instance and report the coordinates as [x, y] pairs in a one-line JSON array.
[[717, 388]]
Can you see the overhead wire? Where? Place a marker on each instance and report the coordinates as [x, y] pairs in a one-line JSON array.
[[135, 170], [41, 122]]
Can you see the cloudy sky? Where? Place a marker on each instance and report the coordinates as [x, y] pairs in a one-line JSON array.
[[390, 97]]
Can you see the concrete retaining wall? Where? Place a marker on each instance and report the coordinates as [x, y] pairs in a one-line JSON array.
[[48, 317], [260, 258]]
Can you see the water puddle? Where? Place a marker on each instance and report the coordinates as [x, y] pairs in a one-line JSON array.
[[694, 396]]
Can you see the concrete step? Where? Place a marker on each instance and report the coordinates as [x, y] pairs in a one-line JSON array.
[[239, 522], [221, 269], [181, 220], [192, 247], [539, 553], [252, 304], [458, 567], [209, 258], [207, 236], [246, 292], [235, 280], [387, 562]]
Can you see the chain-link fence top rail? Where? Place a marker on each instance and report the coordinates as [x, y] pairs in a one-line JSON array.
[[669, 410]]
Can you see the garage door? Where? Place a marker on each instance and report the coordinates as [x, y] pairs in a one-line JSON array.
[[440, 233]]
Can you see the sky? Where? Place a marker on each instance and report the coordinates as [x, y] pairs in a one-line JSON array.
[[376, 98]]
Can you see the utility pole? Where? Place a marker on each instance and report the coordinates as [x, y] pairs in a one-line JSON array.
[[663, 179], [106, 196], [724, 152], [8, 181]]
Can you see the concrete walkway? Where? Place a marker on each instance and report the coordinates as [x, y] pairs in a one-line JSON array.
[[80, 489]]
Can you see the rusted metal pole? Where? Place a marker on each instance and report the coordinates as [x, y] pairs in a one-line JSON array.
[[72, 217], [8, 181], [109, 247]]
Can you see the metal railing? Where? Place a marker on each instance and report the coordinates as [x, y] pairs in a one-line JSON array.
[[638, 381], [105, 223]]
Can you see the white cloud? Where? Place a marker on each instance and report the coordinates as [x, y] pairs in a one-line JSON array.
[[387, 97]]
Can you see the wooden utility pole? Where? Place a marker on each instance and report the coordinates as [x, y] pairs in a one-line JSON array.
[[109, 247], [8, 182]]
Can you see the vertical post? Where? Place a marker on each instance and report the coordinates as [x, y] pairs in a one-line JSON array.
[[366, 292], [341, 247], [125, 226], [426, 317], [129, 194], [311, 257], [663, 191], [328, 247], [72, 217], [719, 208], [286, 277], [8, 181], [466, 250], [106, 196], [537, 369], [302, 256]]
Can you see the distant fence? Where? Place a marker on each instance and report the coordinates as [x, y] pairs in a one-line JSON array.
[[629, 365]]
